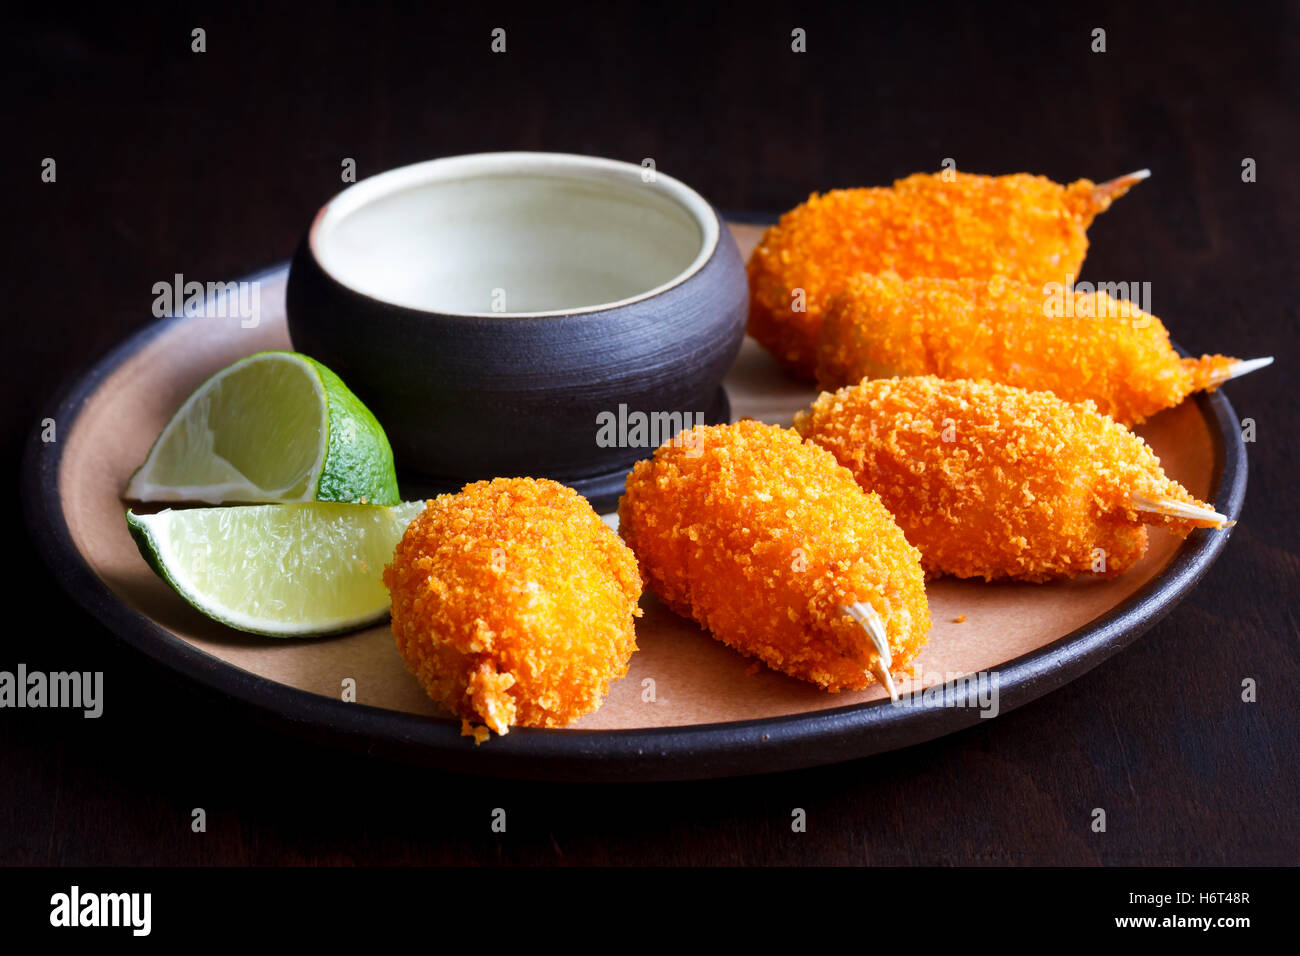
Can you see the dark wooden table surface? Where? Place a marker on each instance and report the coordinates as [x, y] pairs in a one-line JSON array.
[[212, 164]]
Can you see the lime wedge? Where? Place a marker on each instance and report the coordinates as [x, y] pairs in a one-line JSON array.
[[294, 570], [274, 427]]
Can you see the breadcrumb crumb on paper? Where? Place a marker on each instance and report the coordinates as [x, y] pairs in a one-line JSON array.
[[514, 604], [939, 225]]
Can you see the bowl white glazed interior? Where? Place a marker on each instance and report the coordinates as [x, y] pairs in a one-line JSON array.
[[521, 234]]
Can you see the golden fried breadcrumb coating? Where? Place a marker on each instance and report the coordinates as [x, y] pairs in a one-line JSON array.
[[513, 603], [992, 481], [763, 539], [1020, 226], [1077, 345]]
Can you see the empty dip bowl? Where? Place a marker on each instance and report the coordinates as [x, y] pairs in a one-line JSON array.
[[508, 314]]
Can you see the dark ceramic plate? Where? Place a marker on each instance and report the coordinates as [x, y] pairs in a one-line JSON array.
[[712, 715]]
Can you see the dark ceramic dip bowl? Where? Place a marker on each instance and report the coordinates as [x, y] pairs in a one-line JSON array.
[[508, 314]]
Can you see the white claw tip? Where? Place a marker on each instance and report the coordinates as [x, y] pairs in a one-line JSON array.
[[1244, 367], [1104, 193], [870, 622], [889, 684], [1164, 505]]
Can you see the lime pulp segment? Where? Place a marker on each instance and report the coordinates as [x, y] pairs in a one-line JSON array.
[[273, 427], [289, 570]]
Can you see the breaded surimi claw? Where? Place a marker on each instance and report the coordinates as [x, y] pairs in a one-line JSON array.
[[767, 542], [513, 603], [992, 481], [1077, 345], [944, 225]]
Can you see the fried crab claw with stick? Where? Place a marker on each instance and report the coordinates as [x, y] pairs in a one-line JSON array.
[[991, 481], [945, 225], [766, 541], [513, 604], [1078, 345]]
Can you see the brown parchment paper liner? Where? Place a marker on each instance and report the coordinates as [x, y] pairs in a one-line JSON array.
[[695, 679]]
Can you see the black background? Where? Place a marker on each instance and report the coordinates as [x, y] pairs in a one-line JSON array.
[[212, 165]]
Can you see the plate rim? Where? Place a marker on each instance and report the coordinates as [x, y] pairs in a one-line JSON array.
[[692, 751]]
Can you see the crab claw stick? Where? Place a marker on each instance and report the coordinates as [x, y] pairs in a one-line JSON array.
[[767, 542], [1077, 345], [991, 481], [1165, 505], [874, 627], [1236, 369], [1103, 194], [513, 604], [1020, 226]]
